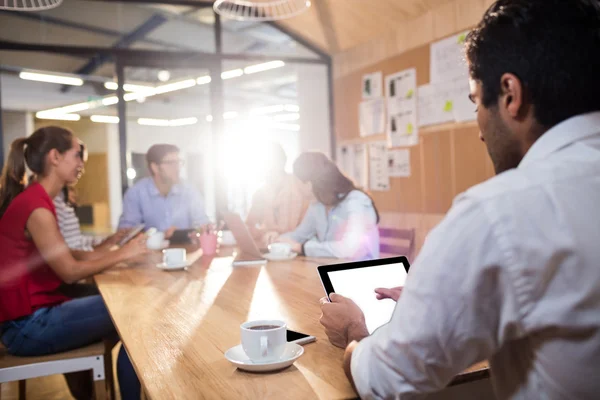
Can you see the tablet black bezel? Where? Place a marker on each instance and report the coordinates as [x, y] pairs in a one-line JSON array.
[[324, 270]]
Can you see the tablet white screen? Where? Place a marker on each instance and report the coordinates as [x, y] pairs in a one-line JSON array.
[[359, 284]]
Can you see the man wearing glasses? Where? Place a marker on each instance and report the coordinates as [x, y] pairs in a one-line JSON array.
[[161, 200]]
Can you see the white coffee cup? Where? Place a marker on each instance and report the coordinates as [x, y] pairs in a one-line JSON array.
[[280, 249], [155, 241], [173, 256], [264, 340]]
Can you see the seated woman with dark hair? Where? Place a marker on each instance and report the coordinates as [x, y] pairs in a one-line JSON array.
[[342, 223], [38, 316]]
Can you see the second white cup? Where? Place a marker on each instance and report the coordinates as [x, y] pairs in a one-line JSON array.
[[174, 256], [155, 241]]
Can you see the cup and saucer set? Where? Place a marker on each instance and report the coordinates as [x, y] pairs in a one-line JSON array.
[[264, 347]]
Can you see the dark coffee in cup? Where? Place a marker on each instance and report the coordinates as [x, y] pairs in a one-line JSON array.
[[263, 327]]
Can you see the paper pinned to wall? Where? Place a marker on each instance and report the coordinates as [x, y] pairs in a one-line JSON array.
[[448, 60], [372, 86], [399, 163], [371, 117], [464, 109], [352, 161], [345, 159], [402, 123], [378, 167], [360, 166]]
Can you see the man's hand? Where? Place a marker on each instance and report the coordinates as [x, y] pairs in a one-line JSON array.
[[343, 320], [391, 293]]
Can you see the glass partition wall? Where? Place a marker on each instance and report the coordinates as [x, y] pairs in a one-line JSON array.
[[222, 91]]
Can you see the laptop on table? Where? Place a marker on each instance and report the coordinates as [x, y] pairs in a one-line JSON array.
[[249, 253]]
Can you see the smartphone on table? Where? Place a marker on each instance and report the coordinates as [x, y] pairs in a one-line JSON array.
[[299, 338]]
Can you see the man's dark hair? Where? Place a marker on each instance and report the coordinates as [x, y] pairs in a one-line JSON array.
[[552, 46], [157, 152]]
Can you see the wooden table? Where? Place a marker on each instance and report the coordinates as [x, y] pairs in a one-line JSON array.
[[177, 325]]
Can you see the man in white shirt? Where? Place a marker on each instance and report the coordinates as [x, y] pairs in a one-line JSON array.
[[512, 274]]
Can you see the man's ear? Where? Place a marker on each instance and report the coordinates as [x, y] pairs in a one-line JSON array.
[[511, 97]]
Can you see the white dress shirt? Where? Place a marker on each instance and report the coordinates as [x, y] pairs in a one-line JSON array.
[[511, 275]]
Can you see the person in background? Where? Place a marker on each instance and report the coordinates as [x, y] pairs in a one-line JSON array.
[[68, 223], [36, 317], [162, 201], [342, 223], [278, 206], [65, 203], [511, 275]]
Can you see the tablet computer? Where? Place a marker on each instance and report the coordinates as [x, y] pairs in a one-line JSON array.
[[358, 281], [133, 233]]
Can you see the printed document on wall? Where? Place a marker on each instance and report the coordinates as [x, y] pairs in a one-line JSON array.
[[371, 117], [345, 159], [371, 86], [448, 59], [402, 124], [378, 167], [399, 163], [360, 166]]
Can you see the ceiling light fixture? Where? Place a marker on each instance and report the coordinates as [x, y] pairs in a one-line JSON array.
[[105, 119], [171, 87], [203, 80], [59, 79], [58, 117], [264, 10], [164, 75], [252, 69], [234, 73]]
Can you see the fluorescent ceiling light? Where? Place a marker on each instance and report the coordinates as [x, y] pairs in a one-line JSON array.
[[234, 73], [60, 79], [203, 80], [111, 85], [183, 121], [109, 101], [58, 117], [167, 122], [286, 117], [106, 119], [267, 110], [209, 118], [171, 87], [252, 69], [68, 109], [153, 122], [128, 87]]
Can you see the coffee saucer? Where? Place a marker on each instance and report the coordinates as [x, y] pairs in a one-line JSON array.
[[280, 257], [174, 267], [238, 357]]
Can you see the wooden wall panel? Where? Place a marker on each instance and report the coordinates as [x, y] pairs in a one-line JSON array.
[[470, 158], [406, 195], [93, 185]]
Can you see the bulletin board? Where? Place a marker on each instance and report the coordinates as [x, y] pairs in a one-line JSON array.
[[449, 158]]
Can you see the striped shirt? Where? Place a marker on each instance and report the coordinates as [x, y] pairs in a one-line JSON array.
[[68, 223]]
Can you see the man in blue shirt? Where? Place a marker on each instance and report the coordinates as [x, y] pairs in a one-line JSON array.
[[162, 201]]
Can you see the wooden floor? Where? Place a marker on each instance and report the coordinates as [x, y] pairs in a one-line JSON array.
[[52, 387]]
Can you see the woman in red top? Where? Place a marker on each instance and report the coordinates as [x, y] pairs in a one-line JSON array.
[[36, 317]]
